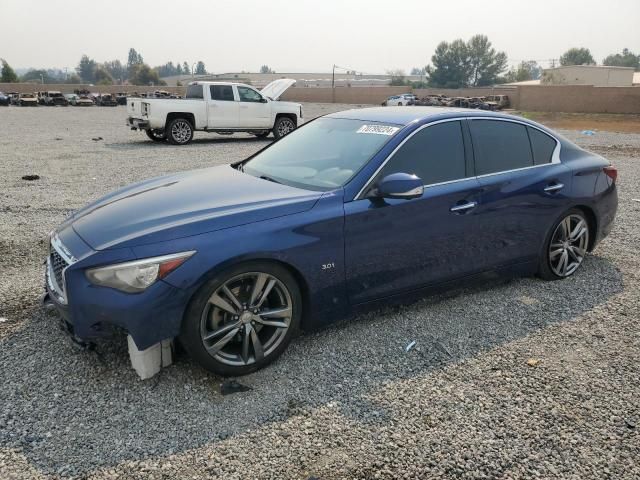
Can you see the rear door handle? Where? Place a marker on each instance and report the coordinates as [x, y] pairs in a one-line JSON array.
[[554, 187], [464, 207]]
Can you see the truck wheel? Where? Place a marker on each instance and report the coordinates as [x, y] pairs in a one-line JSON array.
[[180, 131], [283, 126], [156, 135]]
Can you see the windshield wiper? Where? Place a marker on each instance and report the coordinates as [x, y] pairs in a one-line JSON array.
[[271, 179]]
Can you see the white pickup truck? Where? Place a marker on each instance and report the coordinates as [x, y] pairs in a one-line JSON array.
[[219, 107]]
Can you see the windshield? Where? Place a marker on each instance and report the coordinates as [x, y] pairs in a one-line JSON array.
[[323, 155]]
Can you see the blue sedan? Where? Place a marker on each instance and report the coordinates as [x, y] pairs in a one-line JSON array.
[[354, 210]]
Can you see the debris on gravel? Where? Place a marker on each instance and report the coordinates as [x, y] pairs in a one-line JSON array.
[[342, 403]]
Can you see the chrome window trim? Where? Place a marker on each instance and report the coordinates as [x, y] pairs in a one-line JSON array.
[[555, 157]]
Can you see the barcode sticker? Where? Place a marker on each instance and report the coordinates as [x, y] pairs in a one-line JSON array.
[[378, 129]]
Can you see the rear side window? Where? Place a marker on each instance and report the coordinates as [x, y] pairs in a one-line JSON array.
[[500, 146], [542, 145], [194, 91], [435, 154], [222, 92]]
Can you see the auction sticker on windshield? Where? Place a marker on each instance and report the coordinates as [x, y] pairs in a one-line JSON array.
[[378, 129]]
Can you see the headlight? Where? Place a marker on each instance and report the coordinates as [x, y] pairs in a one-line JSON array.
[[136, 276]]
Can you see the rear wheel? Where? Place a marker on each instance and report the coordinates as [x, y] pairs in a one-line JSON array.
[[156, 135], [179, 131], [283, 126], [565, 247], [242, 319]]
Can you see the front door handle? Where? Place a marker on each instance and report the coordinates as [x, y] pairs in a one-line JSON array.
[[554, 187], [464, 207]]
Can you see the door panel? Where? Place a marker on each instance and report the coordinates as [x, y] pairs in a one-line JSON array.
[[517, 209], [397, 245], [223, 107], [252, 112]]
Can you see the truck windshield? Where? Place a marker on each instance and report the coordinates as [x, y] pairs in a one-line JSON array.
[[323, 155], [194, 91]]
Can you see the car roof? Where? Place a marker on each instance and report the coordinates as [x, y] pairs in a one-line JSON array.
[[407, 115]]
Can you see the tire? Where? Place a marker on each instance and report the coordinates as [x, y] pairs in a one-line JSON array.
[[222, 336], [156, 135], [564, 252], [179, 131], [283, 127], [399, 104]]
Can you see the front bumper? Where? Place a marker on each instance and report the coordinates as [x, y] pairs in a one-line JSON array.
[[138, 124], [89, 312]]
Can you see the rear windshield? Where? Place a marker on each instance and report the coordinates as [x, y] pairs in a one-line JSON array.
[[323, 155], [194, 91]]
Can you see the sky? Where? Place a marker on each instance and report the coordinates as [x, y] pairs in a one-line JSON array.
[[306, 36]]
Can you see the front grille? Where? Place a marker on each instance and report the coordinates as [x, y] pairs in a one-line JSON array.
[[58, 264]]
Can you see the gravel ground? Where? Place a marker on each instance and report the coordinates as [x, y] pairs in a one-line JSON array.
[[511, 379]]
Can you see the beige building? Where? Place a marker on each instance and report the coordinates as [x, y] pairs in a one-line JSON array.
[[596, 75]]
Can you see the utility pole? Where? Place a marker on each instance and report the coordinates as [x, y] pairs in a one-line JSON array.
[[193, 69], [333, 84]]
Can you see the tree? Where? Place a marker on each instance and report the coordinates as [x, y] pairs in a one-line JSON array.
[[86, 69], [134, 58], [74, 78], [179, 69], [8, 75], [185, 68], [486, 64], [529, 70], [398, 77], [451, 65], [116, 70], [102, 76], [624, 59], [143, 74], [418, 71], [577, 56], [266, 69], [200, 69], [39, 76]]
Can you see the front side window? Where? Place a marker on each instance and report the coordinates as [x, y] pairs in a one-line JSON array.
[[249, 95], [500, 146], [435, 154], [542, 145], [222, 92], [323, 155], [194, 92]]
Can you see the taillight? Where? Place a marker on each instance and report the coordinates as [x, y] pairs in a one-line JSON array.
[[611, 172]]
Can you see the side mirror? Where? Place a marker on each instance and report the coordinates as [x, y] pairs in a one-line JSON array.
[[263, 100], [401, 186]]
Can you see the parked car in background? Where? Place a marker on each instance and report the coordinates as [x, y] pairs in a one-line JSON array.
[[107, 100], [354, 210], [121, 98], [5, 100], [71, 98], [499, 101], [400, 100], [220, 107], [13, 96], [27, 100], [84, 101], [55, 99]]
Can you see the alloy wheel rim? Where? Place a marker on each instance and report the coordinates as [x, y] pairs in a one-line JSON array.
[[181, 131], [246, 318], [568, 245], [285, 127]]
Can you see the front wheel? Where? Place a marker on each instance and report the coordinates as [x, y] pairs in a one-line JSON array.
[[566, 247], [179, 131], [242, 319], [156, 135], [283, 126]]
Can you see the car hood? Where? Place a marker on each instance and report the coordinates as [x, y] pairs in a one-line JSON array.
[[185, 204], [276, 88]]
